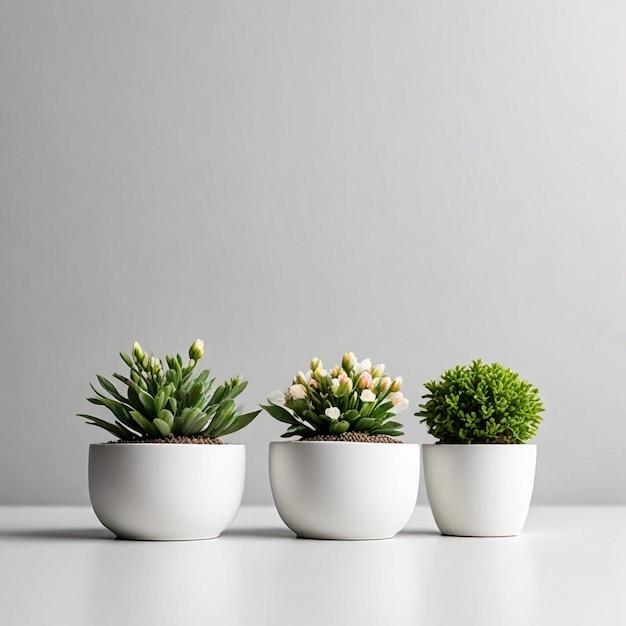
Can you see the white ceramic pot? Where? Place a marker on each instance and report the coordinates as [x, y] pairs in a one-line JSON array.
[[479, 490], [344, 490], [166, 491]]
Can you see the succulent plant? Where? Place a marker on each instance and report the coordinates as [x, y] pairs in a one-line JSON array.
[[162, 403], [481, 403], [353, 396]]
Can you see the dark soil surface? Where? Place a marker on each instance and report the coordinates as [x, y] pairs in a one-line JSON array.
[[181, 439], [355, 437]]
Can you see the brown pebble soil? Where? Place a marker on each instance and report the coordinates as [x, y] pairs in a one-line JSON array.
[[180, 439], [354, 436]]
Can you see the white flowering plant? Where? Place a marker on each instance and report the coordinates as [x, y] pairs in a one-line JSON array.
[[354, 396], [167, 403]]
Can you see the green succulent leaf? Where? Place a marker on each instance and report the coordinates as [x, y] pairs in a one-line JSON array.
[[133, 400], [237, 389], [163, 427], [187, 418], [111, 389], [337, 427], [237, 423], [167, 417], [127, 360], [147, 401], [221, 418], [318, 421], [173, 405], [390, 432], [279, 413], [299, 430], [195, 393], [196, 425], [159, 401], [350, 415], [144, 424], [115, 428], [364, 424], [218, 394]]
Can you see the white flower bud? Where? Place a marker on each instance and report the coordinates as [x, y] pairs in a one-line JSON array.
[[348, 361], [277, 398], [197, 350], [399, 401], [378, 370], [363, 366], [138, 353], [367, 395], [297, 392], [384, 383], [396, 384], [333, 412]]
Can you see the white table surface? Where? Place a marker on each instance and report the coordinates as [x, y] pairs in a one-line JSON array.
[[59, 566]]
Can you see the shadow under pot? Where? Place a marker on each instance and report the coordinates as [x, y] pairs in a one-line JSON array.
[[344, 490], [166, 492], [479, 490]]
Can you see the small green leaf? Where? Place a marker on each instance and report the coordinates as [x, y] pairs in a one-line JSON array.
[[111, 388], [127, 360], [133, 400], [145, 424], [364, 424], [279, 413], [147, 401], [237, 423], [217, 396], [186, 418], [197, 424], [163, 427], [350, 415], [337, 427], [115, 429], [320, 422], [237, 389], [167, 417], [195, 393], [299, 430], [173, 404], [159, 401], [221, 418]]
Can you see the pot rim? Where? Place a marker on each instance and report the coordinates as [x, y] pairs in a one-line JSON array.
[[350, 443], [480, 445], [133, 444]]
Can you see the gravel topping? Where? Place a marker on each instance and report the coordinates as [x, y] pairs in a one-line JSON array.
[[181, 439], [354, 436]]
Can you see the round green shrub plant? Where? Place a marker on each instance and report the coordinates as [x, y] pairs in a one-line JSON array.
[[161, 402], [481, 403], [352, 397]]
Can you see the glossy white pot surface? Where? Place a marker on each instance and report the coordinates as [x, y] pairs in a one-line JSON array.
[[344, 490], [480, 490], [166, 491]]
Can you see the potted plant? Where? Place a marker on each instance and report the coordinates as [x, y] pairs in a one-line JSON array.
[[347, 476], [152, 483], [479, 475]]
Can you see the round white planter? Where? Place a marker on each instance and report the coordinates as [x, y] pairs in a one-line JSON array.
[[479, 490], [166, 491], [344, 490]]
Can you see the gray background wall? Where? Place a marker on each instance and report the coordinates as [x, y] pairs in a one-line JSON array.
[[419, 182]]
